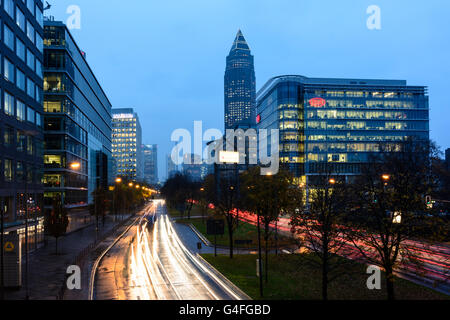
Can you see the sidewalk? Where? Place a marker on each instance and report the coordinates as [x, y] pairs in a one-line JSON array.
[[47, 271]]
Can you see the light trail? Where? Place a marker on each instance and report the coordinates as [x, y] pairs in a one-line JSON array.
[[162, 268]]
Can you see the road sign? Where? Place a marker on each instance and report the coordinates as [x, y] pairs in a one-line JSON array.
[[9, 246], [215, 227]]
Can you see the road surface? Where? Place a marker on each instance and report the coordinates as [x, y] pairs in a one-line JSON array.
[[150, 262]]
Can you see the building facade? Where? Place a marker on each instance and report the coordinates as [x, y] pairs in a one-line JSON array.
[[172, 168], [334, 125], [127, 144], [21, 121], [150, 163], [240, 85], [447, 158], [77, 123]]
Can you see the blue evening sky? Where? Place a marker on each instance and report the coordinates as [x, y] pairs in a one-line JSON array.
[[166, 59]]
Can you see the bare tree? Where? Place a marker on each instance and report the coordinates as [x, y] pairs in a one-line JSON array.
[[267, 197], [223, 193], [390, 211], [319, 226]]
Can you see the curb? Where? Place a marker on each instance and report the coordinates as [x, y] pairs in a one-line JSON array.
[[99, 259], [205, 241], [241, 293]]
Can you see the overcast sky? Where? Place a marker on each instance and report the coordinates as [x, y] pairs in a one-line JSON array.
[[166, 59]]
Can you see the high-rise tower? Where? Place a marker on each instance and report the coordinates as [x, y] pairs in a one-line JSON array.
[[240, 85]]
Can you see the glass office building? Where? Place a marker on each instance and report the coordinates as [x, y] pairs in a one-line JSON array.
[[21, 135], [127, 144], [333, 125], [77, 123], [150, 163], [240, 85]]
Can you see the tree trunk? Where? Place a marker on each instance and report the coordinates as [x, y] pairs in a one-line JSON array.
[[276, 238], [325, 277], [390, 284], [325, 262], [266, 240], [230, 234]]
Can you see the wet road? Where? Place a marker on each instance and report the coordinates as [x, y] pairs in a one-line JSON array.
[[150, 262]]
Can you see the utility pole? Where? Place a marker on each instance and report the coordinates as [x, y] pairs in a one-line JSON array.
[[261, 292]]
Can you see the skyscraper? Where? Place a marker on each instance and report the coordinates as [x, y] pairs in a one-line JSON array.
[[77, 123], [126, 144], [447, 158], [21, 142], [240, 85], [150, 163], [172, 168]]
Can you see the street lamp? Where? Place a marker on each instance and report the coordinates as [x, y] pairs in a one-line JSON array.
[[332, 181], [75, 165], [386, 178], [118, 180], [397, 219]]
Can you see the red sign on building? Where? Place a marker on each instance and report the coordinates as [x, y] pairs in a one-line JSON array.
[[258, 118], [317, 102]]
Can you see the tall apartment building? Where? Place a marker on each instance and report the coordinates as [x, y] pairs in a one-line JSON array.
[[21, 135], [150, 163], [127, 144], [240, 85], [77, 123], [334, 125]]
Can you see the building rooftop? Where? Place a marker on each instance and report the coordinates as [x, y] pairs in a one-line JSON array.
[[332, 82], [240, 43]]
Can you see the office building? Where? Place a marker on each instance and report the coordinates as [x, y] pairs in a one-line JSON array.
[[172, 168], [195, 168], [77, 123], [150, 163], [21, 133], [240, 85], [334, 125], [127, 144], [447, 158]]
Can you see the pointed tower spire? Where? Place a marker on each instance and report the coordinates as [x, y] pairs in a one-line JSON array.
[[240, 43], [240, 86]]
